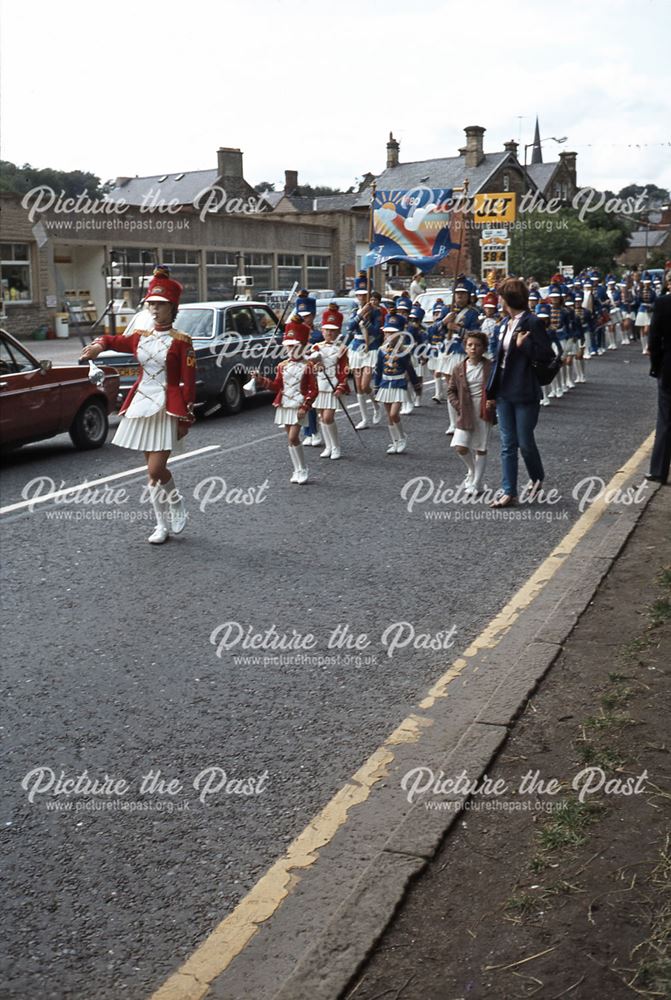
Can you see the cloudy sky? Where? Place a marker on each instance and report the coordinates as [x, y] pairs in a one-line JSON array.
[[130, 88]]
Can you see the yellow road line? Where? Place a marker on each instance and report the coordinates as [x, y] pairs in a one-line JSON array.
[[192, 980]]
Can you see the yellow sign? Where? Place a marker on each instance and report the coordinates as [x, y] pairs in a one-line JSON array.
[[495, 208]]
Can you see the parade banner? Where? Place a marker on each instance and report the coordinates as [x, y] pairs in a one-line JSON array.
[[411, 225]]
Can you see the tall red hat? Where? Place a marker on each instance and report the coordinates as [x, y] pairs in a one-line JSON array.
[[162, 288], [296, 332], [491, 299], [332, 319]]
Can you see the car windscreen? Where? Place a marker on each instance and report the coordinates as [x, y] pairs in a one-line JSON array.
[[198, 323]]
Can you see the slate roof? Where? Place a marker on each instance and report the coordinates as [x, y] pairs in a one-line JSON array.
[[448, 172], [541, 173], [182, 188]]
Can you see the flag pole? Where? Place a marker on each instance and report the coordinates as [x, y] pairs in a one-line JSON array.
[[371, 236]]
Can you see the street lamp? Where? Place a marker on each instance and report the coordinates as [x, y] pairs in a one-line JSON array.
[[550, 138]]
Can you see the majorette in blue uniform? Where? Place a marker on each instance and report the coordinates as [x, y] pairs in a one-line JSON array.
[[626, 290], [614, 334], [646, 299], [393, 372], [561, 326], [490, 319], [416, 336], [543, 311], [582, 326], [364, 339], [435, 345]]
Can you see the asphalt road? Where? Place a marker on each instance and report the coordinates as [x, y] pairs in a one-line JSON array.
[[110, 665]]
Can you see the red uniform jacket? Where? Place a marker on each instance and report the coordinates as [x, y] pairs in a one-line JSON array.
[[180, 393], [309, 389]]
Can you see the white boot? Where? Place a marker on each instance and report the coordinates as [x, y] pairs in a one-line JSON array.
[[160, 533], [570, 384], [335, 440], [174, 504], [377, 408], [480, 463], [409, 402], [302, 472], [453, 419], [295, 461], [402, 440], [394, 435], [326, 431], [361, 400], [545, 401], [644, 343]]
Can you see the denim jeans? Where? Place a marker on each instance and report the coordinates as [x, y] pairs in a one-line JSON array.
[[516, 427]]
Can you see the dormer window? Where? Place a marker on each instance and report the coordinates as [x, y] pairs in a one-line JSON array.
[[506, 181]]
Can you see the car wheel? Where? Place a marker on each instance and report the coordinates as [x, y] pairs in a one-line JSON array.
[[232, 396], [90, 426]]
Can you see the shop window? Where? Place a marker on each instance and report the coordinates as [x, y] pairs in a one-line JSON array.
[[15, 272]]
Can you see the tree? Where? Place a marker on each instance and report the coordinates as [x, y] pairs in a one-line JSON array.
[[71, 182], [656, 195], [550, 238], [320, 191], [264, 186]]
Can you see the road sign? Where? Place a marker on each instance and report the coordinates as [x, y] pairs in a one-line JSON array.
[[495, 208]]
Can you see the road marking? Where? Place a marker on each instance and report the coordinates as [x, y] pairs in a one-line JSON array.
[[194, 978], [57, 494]]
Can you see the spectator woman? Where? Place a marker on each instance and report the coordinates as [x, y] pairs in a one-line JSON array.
[[521, 340]]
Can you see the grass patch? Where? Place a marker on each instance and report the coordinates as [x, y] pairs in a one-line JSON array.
[[652, 974], [660, 611], [616, 698], [567, 827], [591, 755], [521, 905], [608, 720]]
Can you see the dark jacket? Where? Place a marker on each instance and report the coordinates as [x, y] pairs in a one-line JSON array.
[[517, 382], [659, 341], [459, 396]]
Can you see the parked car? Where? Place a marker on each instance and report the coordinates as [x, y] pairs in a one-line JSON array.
[[427, 299], [230, 339], [39, 400]]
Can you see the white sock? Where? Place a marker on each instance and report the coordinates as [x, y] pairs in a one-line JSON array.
[[333, 434], [401, 432], [393, 433], [300, 457], [361, 400], [453, 415], [480, 463], [294, 457], [326, 434], [467, 459]]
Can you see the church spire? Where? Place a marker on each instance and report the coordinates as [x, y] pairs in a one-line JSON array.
[[537, 152]]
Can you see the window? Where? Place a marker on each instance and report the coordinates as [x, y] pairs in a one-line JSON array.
[[180, 257], [240, 320], [289, 260], [15, 272], [183, 265], [13, 361], [506, 181], [224, 257], [220, 269]]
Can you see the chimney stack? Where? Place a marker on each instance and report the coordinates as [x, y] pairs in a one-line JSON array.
[[570, 160], [474, 151], [290, 181], [511, 147], [393, 147], [229, 162]]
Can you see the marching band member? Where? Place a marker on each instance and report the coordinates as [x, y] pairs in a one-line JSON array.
[[392, 372], [305, 311], [543, 311], [158, 410], [416, 337], [614, 334], [296, 389], [490, 318], [560, 326], [435, 347], [364, 341], [329, 360], [646, 300], [582, 326], [475, 414], [627, 307]]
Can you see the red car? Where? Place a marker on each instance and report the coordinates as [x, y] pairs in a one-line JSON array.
[[38, 400]]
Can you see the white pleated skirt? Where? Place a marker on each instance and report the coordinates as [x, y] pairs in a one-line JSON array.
[[362, 359], [449, 362], [287, 415], [434, 363], [155, 433], [642, 318], [326, 400], [391, 395]]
